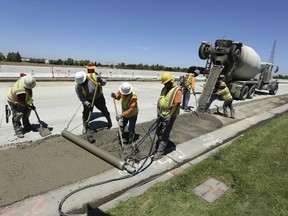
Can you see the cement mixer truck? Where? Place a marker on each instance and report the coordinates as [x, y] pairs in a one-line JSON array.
[[239, 66]]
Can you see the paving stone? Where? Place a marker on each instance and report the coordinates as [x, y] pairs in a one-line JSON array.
[[211, 190]]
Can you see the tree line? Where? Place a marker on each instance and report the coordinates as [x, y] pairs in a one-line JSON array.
[[16, 57]]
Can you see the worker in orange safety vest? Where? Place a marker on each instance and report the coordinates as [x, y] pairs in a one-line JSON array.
[[130, 109]]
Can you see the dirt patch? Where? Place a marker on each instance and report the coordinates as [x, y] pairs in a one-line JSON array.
[[37, 167]]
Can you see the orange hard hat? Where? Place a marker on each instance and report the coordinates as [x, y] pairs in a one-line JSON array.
[[91, 65], [166, 77]]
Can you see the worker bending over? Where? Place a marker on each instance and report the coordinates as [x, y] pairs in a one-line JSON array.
[[188, 85], [228, 99], [129, 108], [168, 107], [89, 86], [21, 103]]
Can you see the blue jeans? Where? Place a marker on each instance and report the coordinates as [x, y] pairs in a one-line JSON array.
[[132, 123]]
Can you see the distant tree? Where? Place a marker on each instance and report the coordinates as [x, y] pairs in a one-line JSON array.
[[18, 57], [2, 57], [69, 61], [59, 62], [11, 57]]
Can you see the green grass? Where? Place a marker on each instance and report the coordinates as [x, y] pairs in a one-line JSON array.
[[255, 167]]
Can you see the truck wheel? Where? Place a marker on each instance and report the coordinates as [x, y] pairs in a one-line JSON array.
[[274, 88], [251, 92], [202, 51], [244, 93], [234, 53]]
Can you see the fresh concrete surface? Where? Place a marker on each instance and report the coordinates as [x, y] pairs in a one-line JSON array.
[[47, 204]]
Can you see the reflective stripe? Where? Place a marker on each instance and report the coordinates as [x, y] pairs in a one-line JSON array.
[[126, 105], [93, 78]]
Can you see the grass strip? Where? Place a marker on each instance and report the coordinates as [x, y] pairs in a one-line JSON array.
[[255, 167]]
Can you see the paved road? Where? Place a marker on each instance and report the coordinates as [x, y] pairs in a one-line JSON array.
[[60, 116], [57, 102]]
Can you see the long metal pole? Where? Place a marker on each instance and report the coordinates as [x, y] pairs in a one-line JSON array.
[[111, 159]]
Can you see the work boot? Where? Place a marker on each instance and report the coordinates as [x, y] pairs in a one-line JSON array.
[[131, 138], [225, 112], [19, 134], [232, 112], [158, 156], [28, 128], [109, 122], [84, 130]]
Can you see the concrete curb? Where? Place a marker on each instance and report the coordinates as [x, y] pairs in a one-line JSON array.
[[163, 169]]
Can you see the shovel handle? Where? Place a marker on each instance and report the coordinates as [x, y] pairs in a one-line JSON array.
[[119, 128]]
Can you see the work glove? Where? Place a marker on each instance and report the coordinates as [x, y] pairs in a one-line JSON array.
[[32, 107], [113, 95], [167, 118], [87, 104], [118, 117], [99, 79]]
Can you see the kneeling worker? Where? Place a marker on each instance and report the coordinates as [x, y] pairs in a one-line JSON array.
[[21, 103], [86, 86], [129, 108]]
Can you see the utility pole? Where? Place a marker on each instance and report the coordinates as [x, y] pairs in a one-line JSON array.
[[272, 52]]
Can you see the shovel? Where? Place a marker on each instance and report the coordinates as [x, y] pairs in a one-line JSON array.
[[119, 128], [42, 130]]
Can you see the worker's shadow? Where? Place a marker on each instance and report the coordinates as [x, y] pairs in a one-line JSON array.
[[126, 137], [170, 147], [95, 212], [96, 124], [36, 127]]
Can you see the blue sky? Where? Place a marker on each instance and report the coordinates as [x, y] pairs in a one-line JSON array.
[[167, 32]]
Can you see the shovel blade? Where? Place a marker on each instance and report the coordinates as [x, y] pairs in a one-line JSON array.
[[44, 131]]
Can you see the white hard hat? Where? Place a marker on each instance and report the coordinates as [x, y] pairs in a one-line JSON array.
[[125, 88], [28, 81], [80, 77], [197, 72]]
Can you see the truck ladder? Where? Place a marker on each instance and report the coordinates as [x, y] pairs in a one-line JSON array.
[[208, 66], [208, 88]]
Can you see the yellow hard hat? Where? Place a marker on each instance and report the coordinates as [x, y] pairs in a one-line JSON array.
[[166, 77], [223, 84]]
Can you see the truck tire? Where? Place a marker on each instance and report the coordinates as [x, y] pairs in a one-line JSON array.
[[251, 92], [202, 51], [274, 88], [244, 93]]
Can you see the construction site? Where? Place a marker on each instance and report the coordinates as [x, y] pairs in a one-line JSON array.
[[57, 170]]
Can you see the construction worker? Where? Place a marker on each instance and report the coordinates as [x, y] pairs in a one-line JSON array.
[[188, 85], [168, 108], [228, 99], [89, 86], [21, 103], [129, 108], [91, 68]]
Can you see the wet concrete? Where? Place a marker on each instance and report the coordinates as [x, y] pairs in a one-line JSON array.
[[32, 168]]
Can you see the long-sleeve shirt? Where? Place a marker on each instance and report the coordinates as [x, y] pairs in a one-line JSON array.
[[132, 106]]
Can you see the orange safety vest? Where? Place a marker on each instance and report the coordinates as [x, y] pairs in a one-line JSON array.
[[126, 104]]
